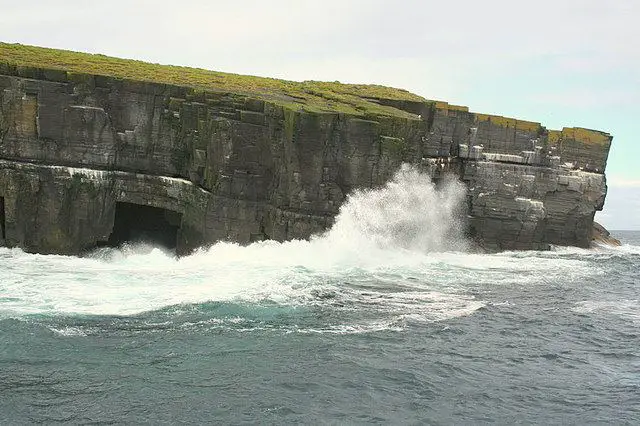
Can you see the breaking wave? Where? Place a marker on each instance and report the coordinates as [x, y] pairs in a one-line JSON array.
[[623, 308], [375, 257], [409, 212], [394, 256]]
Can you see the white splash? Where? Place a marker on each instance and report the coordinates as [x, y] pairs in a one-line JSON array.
[[625, 309], [385, 254], [407, 213], [92, 174]]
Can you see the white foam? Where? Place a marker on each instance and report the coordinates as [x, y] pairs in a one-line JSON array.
[[377, 233], [393, 253], [407, 213], [625, 309], [370, 327], [89, 173], [69, 331], [624, 248], [599, 249]]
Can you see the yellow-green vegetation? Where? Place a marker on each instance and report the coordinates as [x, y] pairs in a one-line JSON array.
[[448, 107], [289, 124], [580, 135], [313, 96], [394, 146], [498, 120]]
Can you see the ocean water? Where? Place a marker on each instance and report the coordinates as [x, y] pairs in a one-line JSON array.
[[388, 318]]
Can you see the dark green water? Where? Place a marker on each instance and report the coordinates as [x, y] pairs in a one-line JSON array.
[[380, 321], [544, 338]]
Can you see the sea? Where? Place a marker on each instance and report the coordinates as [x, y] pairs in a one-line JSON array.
[[390, 317]]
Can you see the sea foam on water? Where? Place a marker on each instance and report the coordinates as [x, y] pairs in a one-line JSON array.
[[385, 229]]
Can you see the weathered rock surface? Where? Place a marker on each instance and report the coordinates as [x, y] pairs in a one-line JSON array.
[[602, 236], [237, 167]]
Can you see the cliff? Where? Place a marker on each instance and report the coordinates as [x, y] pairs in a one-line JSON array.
[[97, 150]]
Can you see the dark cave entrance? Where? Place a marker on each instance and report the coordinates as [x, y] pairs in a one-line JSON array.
[[3, 235], [137, 223]]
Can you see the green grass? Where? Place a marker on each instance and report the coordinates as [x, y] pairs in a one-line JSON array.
[[313, 96]]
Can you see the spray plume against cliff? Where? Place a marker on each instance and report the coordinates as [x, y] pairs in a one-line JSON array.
[[409, 212], [377, 230]]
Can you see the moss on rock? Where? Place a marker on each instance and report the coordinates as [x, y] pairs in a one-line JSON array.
[[312, 96]]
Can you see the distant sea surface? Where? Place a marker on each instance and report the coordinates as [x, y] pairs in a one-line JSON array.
[[388, 318]]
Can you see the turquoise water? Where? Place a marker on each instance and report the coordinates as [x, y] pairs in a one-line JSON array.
[[386, 319]]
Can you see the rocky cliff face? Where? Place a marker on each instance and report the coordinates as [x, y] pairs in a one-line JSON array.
[[79, 151]]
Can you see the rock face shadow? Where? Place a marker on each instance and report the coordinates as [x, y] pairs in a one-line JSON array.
[[138, 223], [2, 220]]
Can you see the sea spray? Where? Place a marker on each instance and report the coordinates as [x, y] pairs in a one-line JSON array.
[[380, 237], [409, 212]]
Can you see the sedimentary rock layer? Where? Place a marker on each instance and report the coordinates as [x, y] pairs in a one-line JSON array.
[[260, 164]]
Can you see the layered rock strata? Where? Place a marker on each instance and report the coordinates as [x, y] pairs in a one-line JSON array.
[[245, 167]]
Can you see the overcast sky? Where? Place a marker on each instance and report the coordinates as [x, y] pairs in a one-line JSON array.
[[560, 62]]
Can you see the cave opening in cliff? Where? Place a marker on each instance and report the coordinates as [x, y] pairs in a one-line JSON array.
[[136, 223], [2, 220]]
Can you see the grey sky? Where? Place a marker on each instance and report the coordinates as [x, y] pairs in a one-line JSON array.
[[561, 62]]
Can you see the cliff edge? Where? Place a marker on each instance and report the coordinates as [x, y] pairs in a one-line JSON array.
[[97, 151]]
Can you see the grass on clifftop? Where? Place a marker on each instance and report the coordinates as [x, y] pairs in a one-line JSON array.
[[308, 95]]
